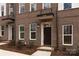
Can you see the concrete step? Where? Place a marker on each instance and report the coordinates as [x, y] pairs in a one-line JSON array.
[[45, 48], [41, 53]]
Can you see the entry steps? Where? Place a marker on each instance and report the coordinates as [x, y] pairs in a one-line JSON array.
[[45, 48]]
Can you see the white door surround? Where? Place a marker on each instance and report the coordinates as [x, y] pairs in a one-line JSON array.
[[9, 32], [42, 31]]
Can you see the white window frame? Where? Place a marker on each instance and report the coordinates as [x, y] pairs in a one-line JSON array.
[[3, 4], [43, 5], [10, 9], [35, 6], [21, 32], [20, 7], [30, 32], [1, 31], [67, 35]]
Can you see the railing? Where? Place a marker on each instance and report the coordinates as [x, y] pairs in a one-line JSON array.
[[45, 12]]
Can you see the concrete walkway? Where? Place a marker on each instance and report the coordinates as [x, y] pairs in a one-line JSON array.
[[2, 43], [10, 53], [42, 51]]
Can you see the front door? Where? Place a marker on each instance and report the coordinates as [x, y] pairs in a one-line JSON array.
[[47, 36]]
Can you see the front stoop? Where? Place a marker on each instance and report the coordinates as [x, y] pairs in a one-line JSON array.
[[45, 48], [43, 51]]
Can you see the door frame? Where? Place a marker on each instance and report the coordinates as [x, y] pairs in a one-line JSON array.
[[42, 32], [9, 32]]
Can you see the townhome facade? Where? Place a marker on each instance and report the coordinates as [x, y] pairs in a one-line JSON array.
[[42, 24]]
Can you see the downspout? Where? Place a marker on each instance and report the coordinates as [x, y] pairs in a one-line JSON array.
[[56, 27]]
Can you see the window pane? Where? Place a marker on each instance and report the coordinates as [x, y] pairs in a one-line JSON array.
[[33, 27], [2, 10], [46, 5], [2, 33], [33, 35], [22, 28], [22, 7], [67, 40], [67, 29], [21, 35], [2, 28], [67, 5], [33, 7]]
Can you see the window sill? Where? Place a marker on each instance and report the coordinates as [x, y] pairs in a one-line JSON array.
[[67, 44], [32, 39]]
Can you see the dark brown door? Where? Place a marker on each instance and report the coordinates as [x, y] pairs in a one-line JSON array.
[[47, 36]]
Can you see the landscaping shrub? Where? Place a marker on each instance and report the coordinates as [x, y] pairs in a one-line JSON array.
[[31, 45], [11, 43], [19, 45]]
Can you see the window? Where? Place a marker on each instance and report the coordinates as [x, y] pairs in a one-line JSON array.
[[21, 32], [67, 35], [32, 6], [11, 6], [33, 31], [2, 10], [21, 8], [46, 5], [2, 30], [67, 5]]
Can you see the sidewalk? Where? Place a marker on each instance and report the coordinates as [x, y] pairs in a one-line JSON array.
[[10, 53], [41, 53]]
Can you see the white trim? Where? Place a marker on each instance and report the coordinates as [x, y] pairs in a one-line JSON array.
[[20, 32], [9, 32], [42, 32], [30, 32], [43, 5], [67, 35], [35, 6], [0, 32]]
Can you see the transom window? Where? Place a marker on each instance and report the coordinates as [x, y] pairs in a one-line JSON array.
[[67, 35], [46, 5], [33, 31], [32, 6], [67, 5], [21, 32], [21, 7]]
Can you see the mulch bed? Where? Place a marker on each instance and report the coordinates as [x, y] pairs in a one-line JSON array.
[[58, 53], [24, 50]]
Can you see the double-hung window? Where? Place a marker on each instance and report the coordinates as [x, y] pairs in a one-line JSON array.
[[33, 6], [46, 5], [21, 32], [2, 30], [11, 6], [67, 35], [21, 7], [67, 5], [33, 31], [3, 9]]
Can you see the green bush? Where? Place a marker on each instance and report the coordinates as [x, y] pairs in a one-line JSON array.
[[11, 43], [19, 45]]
